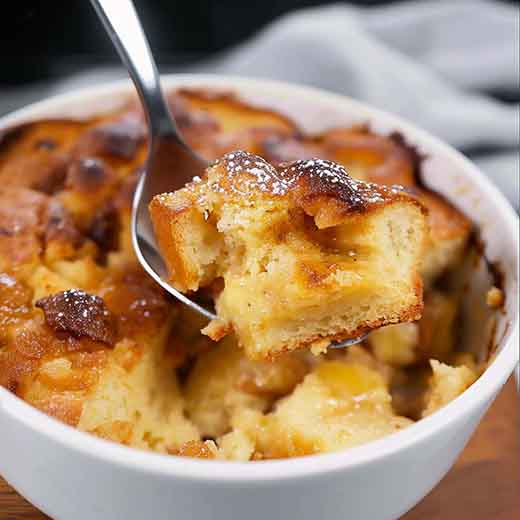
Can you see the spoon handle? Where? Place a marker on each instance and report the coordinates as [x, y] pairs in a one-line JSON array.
[[124, 28]]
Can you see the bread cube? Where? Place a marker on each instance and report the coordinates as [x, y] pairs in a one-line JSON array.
[[339, 405], [307, 254]]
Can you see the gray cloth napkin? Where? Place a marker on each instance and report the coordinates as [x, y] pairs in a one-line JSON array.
[[431, 62]]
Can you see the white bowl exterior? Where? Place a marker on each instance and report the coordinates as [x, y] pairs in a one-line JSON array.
[[69, 474], [72, 484]]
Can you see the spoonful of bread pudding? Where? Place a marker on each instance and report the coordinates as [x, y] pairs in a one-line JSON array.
[[295, 255]]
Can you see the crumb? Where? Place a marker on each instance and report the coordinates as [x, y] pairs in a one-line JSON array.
[[320, 347], [197, 449], [495, 297], [216, 329]]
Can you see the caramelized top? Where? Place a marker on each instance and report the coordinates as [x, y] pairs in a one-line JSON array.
[[319, 186], [118, 138], [326, 178], [80, 314]]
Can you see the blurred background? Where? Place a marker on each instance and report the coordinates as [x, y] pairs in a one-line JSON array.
[[451, 66]]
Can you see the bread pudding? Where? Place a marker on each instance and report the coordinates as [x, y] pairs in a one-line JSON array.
[[87, 338], [306, 254]]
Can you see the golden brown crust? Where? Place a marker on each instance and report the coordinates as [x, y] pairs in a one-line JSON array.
[[139, 304], [34, 155], [380, 159], [21, 214], [118, 138], [244, 115], [32, 223], [383, 160], [446, 222], [329, 194], [31, 342], [163, 214], [321, 187]]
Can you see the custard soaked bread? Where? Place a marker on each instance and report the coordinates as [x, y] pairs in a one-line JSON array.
[[136, 369], [307, 254], [340, 404]]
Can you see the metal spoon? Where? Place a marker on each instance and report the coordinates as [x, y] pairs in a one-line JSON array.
[[167, 150]]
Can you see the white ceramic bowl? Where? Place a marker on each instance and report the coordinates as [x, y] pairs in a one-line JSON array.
[[71, 475]]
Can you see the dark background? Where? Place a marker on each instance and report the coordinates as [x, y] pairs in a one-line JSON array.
[[49, 39]]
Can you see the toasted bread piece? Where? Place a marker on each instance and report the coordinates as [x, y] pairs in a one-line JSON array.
[[307, 254]]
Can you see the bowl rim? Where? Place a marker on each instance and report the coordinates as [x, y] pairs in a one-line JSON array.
[[157, 464]]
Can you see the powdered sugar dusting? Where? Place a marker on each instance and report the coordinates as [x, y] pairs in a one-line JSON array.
[[247, 175], [331, 178], [261, 176]]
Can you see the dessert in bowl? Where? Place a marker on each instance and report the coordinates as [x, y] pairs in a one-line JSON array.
[[92, 342]]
